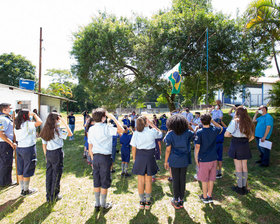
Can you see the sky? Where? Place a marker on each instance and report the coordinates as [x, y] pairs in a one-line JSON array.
[[20, 22]]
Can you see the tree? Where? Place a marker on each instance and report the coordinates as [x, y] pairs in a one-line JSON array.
[[14, 67], [275, 95], [117, 54], [265, 16]]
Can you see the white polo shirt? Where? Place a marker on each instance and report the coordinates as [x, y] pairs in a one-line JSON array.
[[26, 135], [145, 139], [100, 135], [57, 141]]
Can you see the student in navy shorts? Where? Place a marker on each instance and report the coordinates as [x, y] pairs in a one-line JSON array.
[[220, 147], [163, 120], [178, 155], [241, 129], [206, 156], [143, 152], [52, 139], [125, 150], [100, 139], [25, 133]]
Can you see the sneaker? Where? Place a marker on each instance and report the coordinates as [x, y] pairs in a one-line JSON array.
[[97, 208], [204, 200], [29, 192], [148, 205], [169, 179], [181, 204], [22, 193], [153, 179], [107, 206], [210, 199], [195, 176], [142, 205], [219, 176], [58, 197], [175, 204], [245, 190], [122, 174], [127, 174], [238, 190]]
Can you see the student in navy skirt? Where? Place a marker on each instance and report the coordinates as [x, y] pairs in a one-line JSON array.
[[178, 155], [25, 133], [241, 129], [143, 152]]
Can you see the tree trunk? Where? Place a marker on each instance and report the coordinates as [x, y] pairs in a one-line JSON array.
[[170, 102], [275, 58]]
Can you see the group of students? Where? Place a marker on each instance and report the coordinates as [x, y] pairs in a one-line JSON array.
[[205, 131], [18, 132]]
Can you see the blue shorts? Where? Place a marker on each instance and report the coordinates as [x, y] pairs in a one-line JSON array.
[[219, 148], [125, 154], [26, 161], [102, 170]]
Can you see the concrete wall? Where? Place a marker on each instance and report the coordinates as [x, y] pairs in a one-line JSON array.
[[54, 104]]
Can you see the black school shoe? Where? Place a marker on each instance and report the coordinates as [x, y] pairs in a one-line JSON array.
[[127, 174], [204, 200], [22, 193], [107, 206], [29, 192], [238, 190]]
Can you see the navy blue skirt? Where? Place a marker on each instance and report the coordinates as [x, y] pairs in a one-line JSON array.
[[239, 149], [145, 162]]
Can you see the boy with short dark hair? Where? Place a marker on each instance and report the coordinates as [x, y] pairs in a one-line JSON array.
[[206, 156], [126, 121], [100, 139]]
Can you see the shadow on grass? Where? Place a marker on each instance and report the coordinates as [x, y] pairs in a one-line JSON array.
[[181, 216], [157, 191], [122, 186], [10, 206], [143, 217], [39, 215], [216, 214], [97, 217]]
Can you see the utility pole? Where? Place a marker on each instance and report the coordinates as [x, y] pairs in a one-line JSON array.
[[207, 68], [40, 71]]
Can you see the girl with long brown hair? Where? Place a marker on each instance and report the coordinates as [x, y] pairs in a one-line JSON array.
[[52, 138], [241, 129]]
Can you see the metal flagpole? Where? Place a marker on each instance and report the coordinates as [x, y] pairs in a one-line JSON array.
[[207, 68]]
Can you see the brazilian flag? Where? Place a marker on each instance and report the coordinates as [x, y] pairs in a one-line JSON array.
[[175, 77]]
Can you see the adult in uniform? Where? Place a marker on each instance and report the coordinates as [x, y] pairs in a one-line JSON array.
[[6, 145]]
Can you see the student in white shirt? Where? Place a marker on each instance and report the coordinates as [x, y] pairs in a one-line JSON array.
[[25, 133], [100, 139], [196, 121], [143, 151], [52, 138], [216, 112]]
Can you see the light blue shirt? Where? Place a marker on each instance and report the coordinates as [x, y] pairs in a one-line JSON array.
[[263, 122], [57, 141], [188, 116], [26, 135], [6, 125], [217, 114], [234, 130], [100, 136], [145, 139], [196, 121]]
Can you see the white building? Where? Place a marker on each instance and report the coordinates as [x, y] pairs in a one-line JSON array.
[[26, 99], [253, 95]]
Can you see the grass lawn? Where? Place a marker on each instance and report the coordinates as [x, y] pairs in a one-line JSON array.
[[262, 205]]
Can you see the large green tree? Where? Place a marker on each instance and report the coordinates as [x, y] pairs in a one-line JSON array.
[[117, 54], [14, 67]]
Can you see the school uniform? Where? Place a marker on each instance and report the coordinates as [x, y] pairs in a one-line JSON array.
[[207, 156], [196, 121], [126, 122], [163, 124], [6, 151], [220, 144], [133, 119], [217, 114], [114, 147], [239, 146], [101, 137], [26, 150], [125, 149], [145, 162], [179, 159], [54, 156], [157, 151], [71, 123]]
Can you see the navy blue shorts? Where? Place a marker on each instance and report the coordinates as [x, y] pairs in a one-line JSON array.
[[26, 161], [239, 149], [145, 162], [219, 148], [102, 170], [125, 154]]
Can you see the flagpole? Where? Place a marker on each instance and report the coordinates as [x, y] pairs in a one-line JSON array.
[[207, 68]]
